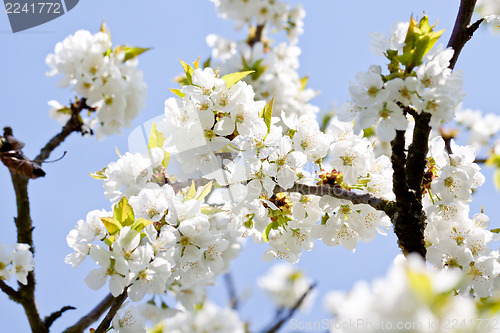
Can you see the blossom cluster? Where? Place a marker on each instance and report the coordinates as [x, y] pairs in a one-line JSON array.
[[411, 298], [286, 285], [276, 14], [386, 100], [453, 239], [276, 66], [154, 242], [107, 78], [18, 262]]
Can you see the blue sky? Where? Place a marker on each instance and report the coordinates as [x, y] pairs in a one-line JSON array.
[[334, 47]]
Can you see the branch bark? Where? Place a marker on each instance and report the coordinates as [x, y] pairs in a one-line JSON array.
[[74, 124], [13, 294], [463, 31], [117, 303], [279, 322], [384, 205], [92, 316]]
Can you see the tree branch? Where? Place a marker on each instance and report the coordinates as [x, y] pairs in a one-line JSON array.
[[257, 36], [74, 124], [49, 320], [274, 328], [92, 316], [384, 205], [117, 303], [462, 31], [13, 294]]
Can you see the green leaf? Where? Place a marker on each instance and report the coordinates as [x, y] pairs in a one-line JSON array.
[[420, 285], [496, 231], [189, 72], [111, 224], [99, 174], [205, 191], [190, 193], [270, 226], [140, 224], [303, 83], [109, 241], [209, 210], [131, 51], [235, 77], [197, 63], [178, 92], [156, 138], [207, 63], [267, 113], [123, 212], [496, 179]]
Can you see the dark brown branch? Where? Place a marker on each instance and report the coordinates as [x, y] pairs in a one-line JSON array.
[[92, 316], [231, 290], [74, 124], [257, 35], [25, 235], [13, 294], [462, 31], [274, 328], [49, 320], [106, 322], [384, 205]]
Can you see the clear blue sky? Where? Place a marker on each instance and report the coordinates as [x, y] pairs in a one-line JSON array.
[[334, 47]]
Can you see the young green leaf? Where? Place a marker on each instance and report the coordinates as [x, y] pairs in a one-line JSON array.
[[111, 224], [156, 138], [190, 193], [205, 191], [235, 77], [140, 224], [267, 113], [123, 212], [131, 51], [178, 92], [189, 72]]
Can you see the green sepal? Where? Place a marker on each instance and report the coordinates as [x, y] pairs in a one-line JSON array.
[[496, 231], [207, 63], [124, 213], [131, 51], [99, 174], [111, 224], [235, 77], [270, 226]]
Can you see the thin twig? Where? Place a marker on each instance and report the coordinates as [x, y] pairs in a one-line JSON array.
[[462, 31], [117, 303], [74, 124], [279, 322], [49, 320], [257, 36], [13, 294], [231, 290], [92, 316]]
